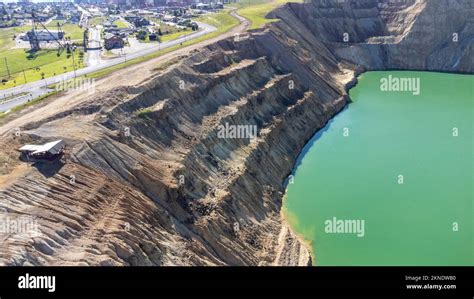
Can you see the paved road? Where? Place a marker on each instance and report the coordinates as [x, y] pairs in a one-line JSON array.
[[93, 55], [38, 88]]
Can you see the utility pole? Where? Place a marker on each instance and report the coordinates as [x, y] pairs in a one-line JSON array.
[[6, 64], [24, 76], [74, 64]]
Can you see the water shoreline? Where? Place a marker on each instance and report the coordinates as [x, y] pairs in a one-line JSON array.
[[309, 143]]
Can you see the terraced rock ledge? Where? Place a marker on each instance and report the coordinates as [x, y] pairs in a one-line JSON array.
[[154, 184]]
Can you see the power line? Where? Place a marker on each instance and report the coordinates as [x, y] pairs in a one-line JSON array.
[[6, 64]]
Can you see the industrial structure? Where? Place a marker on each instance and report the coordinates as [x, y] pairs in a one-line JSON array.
[[47, 151], [40, 32]]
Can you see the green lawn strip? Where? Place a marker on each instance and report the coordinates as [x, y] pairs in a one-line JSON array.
[[256, 10], [12, 97], [175, 35], [223, 21]]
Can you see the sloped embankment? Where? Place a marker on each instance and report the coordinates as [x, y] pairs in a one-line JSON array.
[[154, 182], [380, 35]]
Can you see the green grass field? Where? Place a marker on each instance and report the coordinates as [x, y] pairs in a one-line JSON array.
[[222, 20], [256, 10], [74, 32], [97, 21], [120, 24], [43, 63], [7, 38]]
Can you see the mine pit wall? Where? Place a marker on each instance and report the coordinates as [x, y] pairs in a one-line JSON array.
[[270, 80], [405, 35], [231, 181], [253, 194], [282, 80]]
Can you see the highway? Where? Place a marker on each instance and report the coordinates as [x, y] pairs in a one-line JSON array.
[[38, 88]]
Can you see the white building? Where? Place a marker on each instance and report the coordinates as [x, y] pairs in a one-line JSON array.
[[45, 151], [44, 36]]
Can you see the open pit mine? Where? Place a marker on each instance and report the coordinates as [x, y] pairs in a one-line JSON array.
[[147, 178]]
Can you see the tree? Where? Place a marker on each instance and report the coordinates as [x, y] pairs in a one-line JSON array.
[[142, 35]]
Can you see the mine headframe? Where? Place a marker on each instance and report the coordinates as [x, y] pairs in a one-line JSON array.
[[37, 25]]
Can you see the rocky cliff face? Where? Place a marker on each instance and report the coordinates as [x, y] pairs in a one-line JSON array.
[[149, 178], [379, 35]]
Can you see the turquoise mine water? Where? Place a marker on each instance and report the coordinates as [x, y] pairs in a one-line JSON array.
[[389, 181]]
